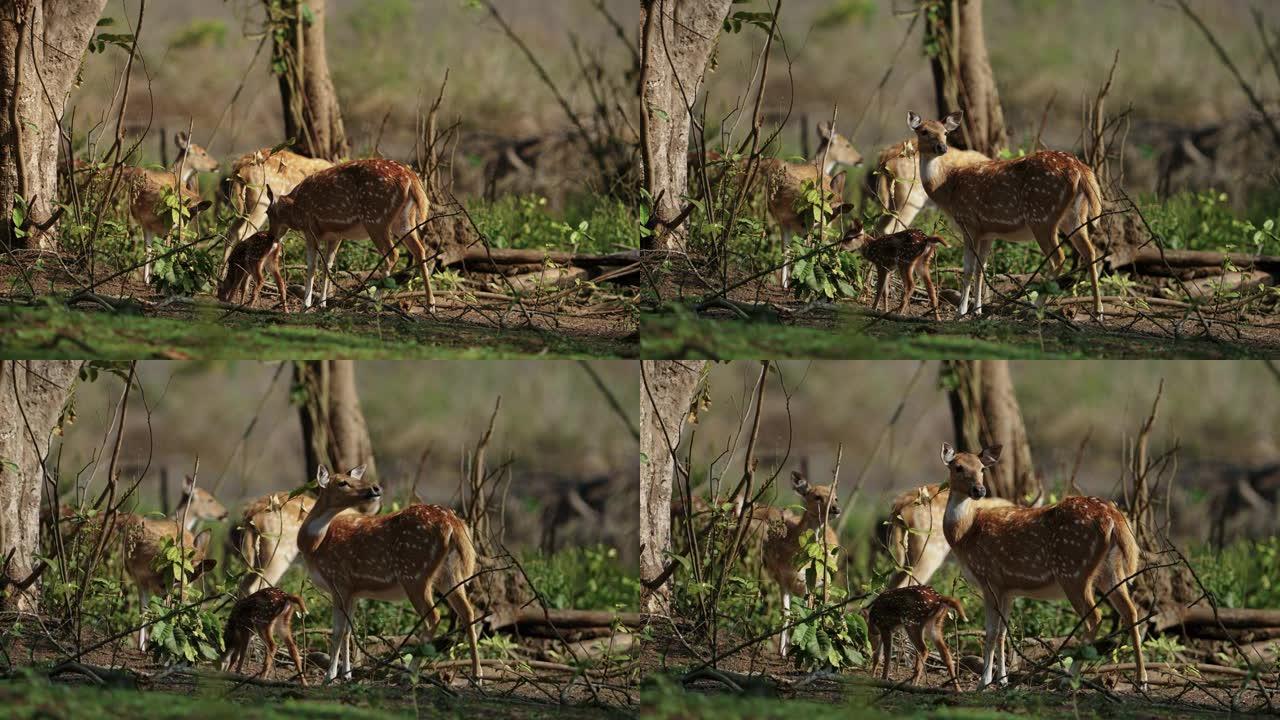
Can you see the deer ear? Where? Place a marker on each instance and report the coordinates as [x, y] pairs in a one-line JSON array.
[[948, 453], [357, 472], [322, 476], [799, 483], [202, 539], [188, 484], [913, 120], [181, 139], [825, 129], [991, 455], [952, 121]]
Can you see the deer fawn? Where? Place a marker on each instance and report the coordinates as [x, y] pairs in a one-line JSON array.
[[1036, 196], [144, 539], [261, 614], [783, 542], [249, 261], [251, 177], [146, 190], [910, 252], [380, 199], [1067, 549], [406, 554], [917, 609], [784, 182], [895, 183], [914, 534]]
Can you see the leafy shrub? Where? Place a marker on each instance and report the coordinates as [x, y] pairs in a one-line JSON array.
[[1205, 221], [595, 224], [583, 577], [834, 640]]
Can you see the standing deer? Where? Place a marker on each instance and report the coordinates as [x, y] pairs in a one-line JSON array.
[[249, 261], [146, 190], [784, 183], [251, 177], [916, 609], [783, 543], [896, 186], [379, 199], [261, 614], [144, 539], [1033, 196], [909, 252], [385, 557], [1063, 550]]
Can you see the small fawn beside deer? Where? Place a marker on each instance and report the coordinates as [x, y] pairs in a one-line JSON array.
[[1033, 196], [248, 262], [1070, 549], [917, 609], [262, 614], [379, 199], [783, 542], [403, 555], [909, 252]]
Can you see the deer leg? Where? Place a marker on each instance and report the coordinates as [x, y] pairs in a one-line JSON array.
[[313, 247], [888, 654], [786, 618], [940, 642], [908, 273], [967, 277], [330, 254], [257, 285], [286, 627], [928, 285], [1123, 603], [873, 636], [882, 286], [275, 270], [145, 599], [916, 635], [991, 616], [465, 613], [338, 642], [786, 258], [269, 659], [984, 250], [1088, 255], [147, 237]]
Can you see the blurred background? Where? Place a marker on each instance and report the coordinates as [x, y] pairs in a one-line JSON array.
[[1223, 415], [573, 460]]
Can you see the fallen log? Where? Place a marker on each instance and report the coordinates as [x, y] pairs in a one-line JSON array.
[[1241, 635], [544, 279], [1227, 282], [481, 259], [1243, 618], [564, 619], [1151, 256]]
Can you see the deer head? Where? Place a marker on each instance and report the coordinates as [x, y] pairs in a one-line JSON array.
[[854, 237], [201, 505], [932, 134], [339, 491], [968, 470], [836, 148], [191, 156], [819, 502]]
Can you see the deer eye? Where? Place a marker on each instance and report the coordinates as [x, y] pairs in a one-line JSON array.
[[343, 483]]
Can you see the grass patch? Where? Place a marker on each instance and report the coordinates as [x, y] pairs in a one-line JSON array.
[[51, 330], [681, 334]]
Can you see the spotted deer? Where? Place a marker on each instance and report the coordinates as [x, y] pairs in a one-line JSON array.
[[782, 542], [1070, 549], [144, 539], [404, 555], [918, 609], [914, 536], [263, 614], [895, 183], [1034, 196], [909, 252], [251, 177], [249, 261], [785, 182], [146, 190], [379, 199]]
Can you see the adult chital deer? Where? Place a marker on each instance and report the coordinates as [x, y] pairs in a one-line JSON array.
[[1033, 196], [407, 554], [785, 182], [144, 538], [256, 172], [249, 261], [783, 543], [261, 614], [147, 188], [1068, 549], [379, 199], [917, 609], [909, 252], [914, 536], [895, 183]]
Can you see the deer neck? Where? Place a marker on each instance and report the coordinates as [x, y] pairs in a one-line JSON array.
[[808, 521], [958, 520], [183, 517], [827, 167], [934, 171], [187, 170], [315, 528]]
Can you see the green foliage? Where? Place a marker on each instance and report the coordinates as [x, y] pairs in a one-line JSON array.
[[836, 639], [99, 43], [738, 19], [844, 12], [1205, 221], [589, 223], [1243, 574], [186, 632], [821, 270], [583, 577], [200, 33]]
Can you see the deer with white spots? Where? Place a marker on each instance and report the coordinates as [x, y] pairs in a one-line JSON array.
[[252, 175], [1036, 196], [895, 183], [379, 199], [404, 555], [910, 252], [914, 535], [782, 542], [917, 609], [1070, 549]]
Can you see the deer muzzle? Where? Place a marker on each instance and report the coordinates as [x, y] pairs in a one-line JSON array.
[[977, 492]]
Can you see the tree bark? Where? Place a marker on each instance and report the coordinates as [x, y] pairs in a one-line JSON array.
[[312, 115], [666, 392], [962, 76], [334, 432], [32, 396], [51, 38], [677, 39], [985, 412]]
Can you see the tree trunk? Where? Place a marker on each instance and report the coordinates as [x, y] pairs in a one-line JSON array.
[[962, 76], [312, 115], [32, 396], [666, 392], [333, 427], [985, 412], [51, 38], [677, 39]]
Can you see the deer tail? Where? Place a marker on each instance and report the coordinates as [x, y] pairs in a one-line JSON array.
[[418, 197], [1093, 194], [955, 605], [938, 240], [298, 603], [461, 541], [1122, 538]]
